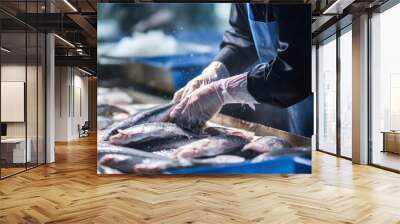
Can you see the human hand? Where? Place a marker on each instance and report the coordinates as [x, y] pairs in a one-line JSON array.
[[215, 71], [201, 105]]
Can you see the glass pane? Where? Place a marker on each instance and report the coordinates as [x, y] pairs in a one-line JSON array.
[[31, 87], [41, 99], [31, 97], [13, 80], [346, 94], [385, 89], [327, 96]]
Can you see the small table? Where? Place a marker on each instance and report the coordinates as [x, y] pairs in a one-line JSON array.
[[16, 153], [391, 141]]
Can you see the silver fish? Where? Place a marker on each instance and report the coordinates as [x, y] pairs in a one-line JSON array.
[[150, 132], [211, 146], [125, 163], [107, 170], [122, 163], [152, 166], [299, 151], [156, 114], [222, 159], [165, 146], [214, 131], [105, 149], [266, 144]]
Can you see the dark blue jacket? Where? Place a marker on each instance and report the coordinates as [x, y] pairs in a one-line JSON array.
[[289, 80]]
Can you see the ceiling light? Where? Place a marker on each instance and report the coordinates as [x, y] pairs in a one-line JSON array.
[[70, 5], [5, 50], [65, 41], [337, 7], [84, 71]]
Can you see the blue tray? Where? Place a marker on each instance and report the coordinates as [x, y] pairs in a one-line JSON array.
[[278, 165], [183, 67]]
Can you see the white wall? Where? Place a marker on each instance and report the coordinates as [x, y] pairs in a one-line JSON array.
[[71, 93], [62, 81], [16, 73]]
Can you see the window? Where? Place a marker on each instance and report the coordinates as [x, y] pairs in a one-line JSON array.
[[385, 89], [22, 78], [346, 93], [327, 96]]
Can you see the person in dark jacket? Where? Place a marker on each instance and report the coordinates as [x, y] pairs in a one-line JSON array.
[[265, 57]]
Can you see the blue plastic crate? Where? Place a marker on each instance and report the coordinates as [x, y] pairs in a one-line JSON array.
[[278, 165], [183, 67]]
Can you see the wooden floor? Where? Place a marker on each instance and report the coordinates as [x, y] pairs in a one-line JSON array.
[[69, 191], [10, 171]]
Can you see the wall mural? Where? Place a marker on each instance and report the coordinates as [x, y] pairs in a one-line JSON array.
[[214, 88]]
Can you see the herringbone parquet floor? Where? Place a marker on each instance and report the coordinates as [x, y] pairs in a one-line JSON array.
[[69, 191]]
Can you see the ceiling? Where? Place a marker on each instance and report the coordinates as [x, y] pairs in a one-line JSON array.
[[76, 21], [73, 21]]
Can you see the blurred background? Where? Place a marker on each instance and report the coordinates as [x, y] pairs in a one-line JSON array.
[[156, 48]]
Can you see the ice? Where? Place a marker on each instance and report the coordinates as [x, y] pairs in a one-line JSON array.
[[152, 43]]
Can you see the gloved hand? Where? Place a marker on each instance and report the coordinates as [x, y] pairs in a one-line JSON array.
[[197, 108], [213, 72]]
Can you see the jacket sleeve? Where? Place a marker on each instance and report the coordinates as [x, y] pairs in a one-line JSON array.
[[288, 81], [237, 50]]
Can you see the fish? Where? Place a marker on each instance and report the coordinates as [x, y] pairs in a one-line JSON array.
[[126, 161], [167, 146], [123, 163], [107, 170], [152, 166], [155, 166], [214, 131], [103, 122], [155, 114], [140, 165], [127, 164], [211, 146], [142, 135], [300, 151], [106, 148], [266, 144], [222, 159], [109, 111]]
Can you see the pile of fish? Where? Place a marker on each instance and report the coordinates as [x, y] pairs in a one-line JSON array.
[[149, 143]]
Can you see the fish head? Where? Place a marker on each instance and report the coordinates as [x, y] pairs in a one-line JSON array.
[[106, 160], [125, 137]]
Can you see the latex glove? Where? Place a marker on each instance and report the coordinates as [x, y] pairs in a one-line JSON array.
[[198, 107], [213, 72]]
